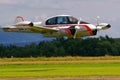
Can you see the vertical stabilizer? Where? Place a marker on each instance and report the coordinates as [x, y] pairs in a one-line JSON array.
[[19, 19]]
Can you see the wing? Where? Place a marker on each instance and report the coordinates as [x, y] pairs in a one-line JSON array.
[[49, 32], [42, 30], [30, 29]]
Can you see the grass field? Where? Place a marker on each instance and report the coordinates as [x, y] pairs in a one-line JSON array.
[[59, 67]]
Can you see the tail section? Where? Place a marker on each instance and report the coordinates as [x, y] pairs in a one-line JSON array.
[[19, 19]]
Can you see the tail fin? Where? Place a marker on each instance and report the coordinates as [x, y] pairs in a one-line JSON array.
[[19, 19]]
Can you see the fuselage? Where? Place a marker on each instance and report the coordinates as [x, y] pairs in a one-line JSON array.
[[68, 26], [58, 26]]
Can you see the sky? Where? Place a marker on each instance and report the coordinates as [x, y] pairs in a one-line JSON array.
[[88, 10]]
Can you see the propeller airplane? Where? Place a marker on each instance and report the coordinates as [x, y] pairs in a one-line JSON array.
[[57, 26]]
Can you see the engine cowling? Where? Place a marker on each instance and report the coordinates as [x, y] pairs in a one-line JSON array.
[[103, 26]]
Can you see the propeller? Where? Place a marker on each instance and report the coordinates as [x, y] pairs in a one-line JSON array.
[[97, 24], [77, 27], [101, 26], [97, 20]]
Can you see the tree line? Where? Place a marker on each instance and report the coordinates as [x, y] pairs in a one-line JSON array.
[[100, 46]]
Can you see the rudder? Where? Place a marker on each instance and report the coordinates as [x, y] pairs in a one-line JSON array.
[[19, 19]]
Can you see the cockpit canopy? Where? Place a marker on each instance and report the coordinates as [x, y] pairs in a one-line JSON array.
[[63, 20]]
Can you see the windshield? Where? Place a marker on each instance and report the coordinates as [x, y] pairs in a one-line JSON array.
[[63, 20]]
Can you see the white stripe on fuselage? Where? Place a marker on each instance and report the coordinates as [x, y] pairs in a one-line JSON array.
[[58, 27]]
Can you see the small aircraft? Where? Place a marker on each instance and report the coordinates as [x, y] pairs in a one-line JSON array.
[[57, 26]]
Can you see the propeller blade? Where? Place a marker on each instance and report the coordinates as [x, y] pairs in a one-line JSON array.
[[77, 27], [79, 21], [97, 20]]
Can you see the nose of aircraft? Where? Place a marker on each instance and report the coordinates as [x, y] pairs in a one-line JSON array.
[[108, 26], [103, 26]]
